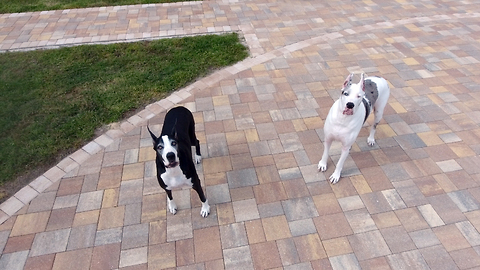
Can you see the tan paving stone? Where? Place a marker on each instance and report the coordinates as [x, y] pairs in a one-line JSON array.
[[265, 255], [310, 247], [40, 262], [276, 228], [78, 259], [207, 244], [110, 198], [255, 232], [30, 223], [111, 217], [85, 218]]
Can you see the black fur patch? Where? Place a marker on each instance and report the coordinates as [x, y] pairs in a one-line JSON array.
[[371, 91]]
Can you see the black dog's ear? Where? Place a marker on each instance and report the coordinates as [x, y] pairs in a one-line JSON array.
[[154, 138]]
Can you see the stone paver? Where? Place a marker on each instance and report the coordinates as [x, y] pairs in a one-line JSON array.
[[412, 201]]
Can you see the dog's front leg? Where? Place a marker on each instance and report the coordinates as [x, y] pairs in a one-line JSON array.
[[172, 206], [205, 206], [338, 170], [322, 164]]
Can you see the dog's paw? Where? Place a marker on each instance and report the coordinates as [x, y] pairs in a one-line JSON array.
[[322, 166], [205, 209], [334, 177], [172, 207], [198, 159], [371, 141]]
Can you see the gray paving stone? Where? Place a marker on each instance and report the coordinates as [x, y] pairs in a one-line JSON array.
[[233, 235], [430, 216], [351, 203], [131, 192], [368, 245], [438, 258], [82, 237], [302, 227], [290, 173], [242, 178], [424, 238], [347, 261], [131, 257], [299, 208], [133, 214], [135, 236], [3, 239], [410, 141], [464, 201], [238, 258], [299, 266], [406, 259], [179, 226], [108, 236], [218, 194], [469, 232], [43, 202], [245, 210], [66, 201], [270, 209], [14, 261], [50, 242], [90, 201], [360, 221]]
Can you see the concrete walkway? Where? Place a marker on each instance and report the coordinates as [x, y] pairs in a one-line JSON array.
[[411, 202]]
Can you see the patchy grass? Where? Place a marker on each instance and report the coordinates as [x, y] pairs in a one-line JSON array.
[[52, 101], [14, 6]]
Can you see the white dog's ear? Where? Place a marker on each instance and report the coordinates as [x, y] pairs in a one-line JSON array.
[[362, 82], [348, 81]]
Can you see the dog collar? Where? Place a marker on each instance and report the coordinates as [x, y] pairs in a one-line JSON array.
[[368, 107]]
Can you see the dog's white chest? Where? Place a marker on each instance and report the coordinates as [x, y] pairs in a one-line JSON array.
[[174, 178]]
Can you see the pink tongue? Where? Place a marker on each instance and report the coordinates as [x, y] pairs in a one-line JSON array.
[[348, 111]]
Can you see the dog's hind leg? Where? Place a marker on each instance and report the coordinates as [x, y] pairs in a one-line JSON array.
[[205, 206], [378, 112], [194, 141], [198, 154]]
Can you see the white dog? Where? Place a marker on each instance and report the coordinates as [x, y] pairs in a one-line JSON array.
[[349, 113]]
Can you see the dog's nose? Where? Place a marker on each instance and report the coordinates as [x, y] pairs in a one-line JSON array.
[[350, 105], [171, 156]]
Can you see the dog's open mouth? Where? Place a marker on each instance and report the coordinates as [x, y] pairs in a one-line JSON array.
[[172, 165], [348, 111]]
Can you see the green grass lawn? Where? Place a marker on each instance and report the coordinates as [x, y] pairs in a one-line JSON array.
[[52, 101], [14, 6]]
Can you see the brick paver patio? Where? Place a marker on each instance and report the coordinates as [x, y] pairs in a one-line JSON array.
[[410, 202]]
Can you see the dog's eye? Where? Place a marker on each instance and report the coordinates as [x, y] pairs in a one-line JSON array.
[[159, 147], [345, 94], [174, 143]]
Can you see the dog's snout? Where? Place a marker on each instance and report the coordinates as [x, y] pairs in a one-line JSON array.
[[350, 105], [171, 156]]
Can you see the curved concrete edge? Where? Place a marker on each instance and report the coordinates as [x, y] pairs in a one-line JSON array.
[[24, 196]]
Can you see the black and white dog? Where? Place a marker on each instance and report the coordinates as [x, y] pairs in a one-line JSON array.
[[175, 167]]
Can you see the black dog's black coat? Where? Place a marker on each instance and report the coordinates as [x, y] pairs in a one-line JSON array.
[[179, 125]]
